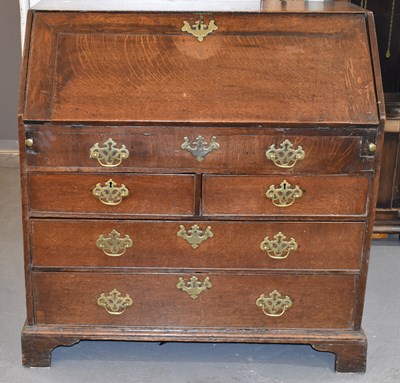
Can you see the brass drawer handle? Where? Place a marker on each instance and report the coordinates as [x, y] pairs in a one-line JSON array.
[[113, 245], [279, 247], [284, 195], [114, 303], [110, 193], [199, 148], [195, 236], [108, 155], [275, 305], [194, 287], [285, 156], [199, 29]]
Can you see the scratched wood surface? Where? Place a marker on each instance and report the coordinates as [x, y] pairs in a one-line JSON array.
[[142, 67]]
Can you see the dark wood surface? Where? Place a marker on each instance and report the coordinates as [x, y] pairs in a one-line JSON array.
[[91, 67], [388, 206], [261, 78], [242, 150], [349, 346], [321, 246], [390, 67], [230, 302]]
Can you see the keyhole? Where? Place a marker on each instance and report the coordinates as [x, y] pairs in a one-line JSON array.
[[110, 184]]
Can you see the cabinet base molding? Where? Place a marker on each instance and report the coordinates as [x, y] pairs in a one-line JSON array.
[[350, 347]]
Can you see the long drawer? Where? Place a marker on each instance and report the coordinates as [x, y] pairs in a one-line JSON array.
[[285, 195], [220, 301], [179, 244], [237, 150], [122, 194]]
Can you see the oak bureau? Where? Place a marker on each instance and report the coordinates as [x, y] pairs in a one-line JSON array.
[[199, 174]]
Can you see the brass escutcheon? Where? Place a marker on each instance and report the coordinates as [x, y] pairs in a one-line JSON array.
[[199, 148], [114, 303], [279, 247], [113, 245], [275, 305], [195, 236], [199, 29], [109, 155], [194, 287], [285, 156], [110, 193], [284, 195]]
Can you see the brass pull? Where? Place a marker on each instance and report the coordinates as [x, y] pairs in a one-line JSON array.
[[29, 142], [285, 156], [109, 155], [199, 29], [194, 287], [284, 195], [195, 236], [275, 305], [114, 245], [114, 303], [199, 148], [110, 193], [279, 247], [372, 147]]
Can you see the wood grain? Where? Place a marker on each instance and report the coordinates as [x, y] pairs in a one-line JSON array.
[[325, 340], [59, 148], [322, 196], [321, 246], [309, 73], [113, 67], [230, 302], [148, 194]]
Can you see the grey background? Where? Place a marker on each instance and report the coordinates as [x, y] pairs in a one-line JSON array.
[[10, 58]]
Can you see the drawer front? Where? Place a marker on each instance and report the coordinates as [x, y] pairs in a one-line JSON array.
[[296, 196], [143, 67], [129, 195], [251, 151], [228, 245], [313, 301]]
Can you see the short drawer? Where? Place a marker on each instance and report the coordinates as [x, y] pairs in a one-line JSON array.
[[301, 301], [122, 195], [213, 150], [285, 196], [196, 244]]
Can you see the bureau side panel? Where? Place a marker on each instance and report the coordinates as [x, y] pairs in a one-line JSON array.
[[375, 181], [23, 171]]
